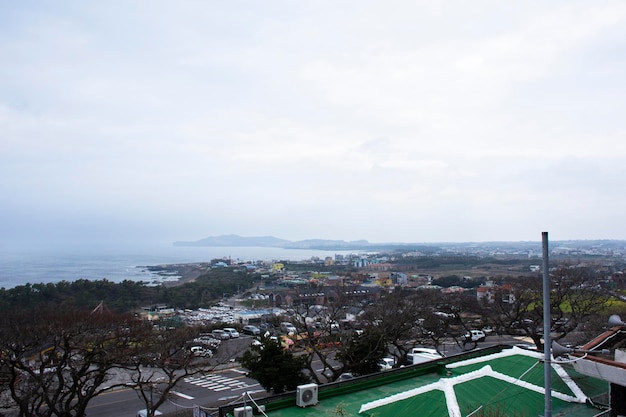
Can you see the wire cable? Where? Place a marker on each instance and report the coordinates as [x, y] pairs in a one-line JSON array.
[[255, 404]]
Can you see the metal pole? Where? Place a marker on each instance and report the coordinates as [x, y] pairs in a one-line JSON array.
[[547, 365]]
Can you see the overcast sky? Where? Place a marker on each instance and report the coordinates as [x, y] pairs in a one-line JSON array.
[[390, 121]]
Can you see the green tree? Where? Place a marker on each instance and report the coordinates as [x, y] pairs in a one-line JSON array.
[[364, 351], [274, 367]]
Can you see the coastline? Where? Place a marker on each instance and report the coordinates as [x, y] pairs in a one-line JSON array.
[[151, 264], [186, 272]]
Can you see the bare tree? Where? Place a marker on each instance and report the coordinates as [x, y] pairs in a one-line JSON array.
[[54, 362], [158, 361], [410, 318], [57, 361], [319, 328], [399, 315], [576, 298]]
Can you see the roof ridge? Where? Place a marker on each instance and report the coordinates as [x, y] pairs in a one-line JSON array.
[[446, 384]]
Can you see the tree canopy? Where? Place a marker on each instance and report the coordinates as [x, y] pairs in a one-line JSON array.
[[276, 368], [127, 295]]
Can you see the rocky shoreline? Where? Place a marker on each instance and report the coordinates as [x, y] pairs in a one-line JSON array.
[[186, 272]]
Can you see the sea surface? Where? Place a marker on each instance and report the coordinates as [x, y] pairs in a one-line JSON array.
[[21, 264]]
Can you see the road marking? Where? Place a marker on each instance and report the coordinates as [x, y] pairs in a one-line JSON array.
[[228, 398], [181, 395], [219, 383], [248, 386], [206, 384], [233, 382]]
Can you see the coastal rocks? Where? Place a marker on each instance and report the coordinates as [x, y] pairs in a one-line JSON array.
[[177, 274]]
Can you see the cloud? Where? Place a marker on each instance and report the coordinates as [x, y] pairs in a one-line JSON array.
[[404, 121]]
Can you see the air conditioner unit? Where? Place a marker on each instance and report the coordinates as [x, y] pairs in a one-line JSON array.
[[243, 411], [306, 395]]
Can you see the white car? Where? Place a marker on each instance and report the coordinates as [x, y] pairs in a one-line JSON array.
[[220, 334], [251, 330], [201, 351], [232, 332], [475, 336], [421, 355], [386, 364]]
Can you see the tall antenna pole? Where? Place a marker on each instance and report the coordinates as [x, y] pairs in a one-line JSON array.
[[547, 344]]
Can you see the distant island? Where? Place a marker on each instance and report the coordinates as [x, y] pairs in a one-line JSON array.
[[274, 242], [363, 245]]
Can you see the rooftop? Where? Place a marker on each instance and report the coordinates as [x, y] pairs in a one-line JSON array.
[[604, 357], [500, 380]]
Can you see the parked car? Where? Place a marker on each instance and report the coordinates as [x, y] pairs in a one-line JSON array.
[[421, 354], [475, 336], [267, 328], [232, 332], [207, 340], [288, 328], [211, 340], [201, 351], [386, 364], [345, 376], [220, 334], [252, 330]]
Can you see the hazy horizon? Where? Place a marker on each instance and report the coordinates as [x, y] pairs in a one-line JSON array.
[[390, 122], [50, 242]]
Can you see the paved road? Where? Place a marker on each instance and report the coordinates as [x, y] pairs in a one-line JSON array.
[[218, 387], [224, 384]]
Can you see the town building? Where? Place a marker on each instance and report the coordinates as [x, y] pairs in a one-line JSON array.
[[491, 292], [605, 358]]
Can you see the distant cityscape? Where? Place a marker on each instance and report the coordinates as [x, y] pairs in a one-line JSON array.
[[598, 247]]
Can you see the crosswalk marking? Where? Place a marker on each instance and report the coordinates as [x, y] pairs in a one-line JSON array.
[[249, 386], [219, 382], [206, 384]]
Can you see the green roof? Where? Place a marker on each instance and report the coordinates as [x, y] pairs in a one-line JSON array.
[[506, 383]]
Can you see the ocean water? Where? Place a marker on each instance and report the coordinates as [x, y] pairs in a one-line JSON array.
[[20, 265]]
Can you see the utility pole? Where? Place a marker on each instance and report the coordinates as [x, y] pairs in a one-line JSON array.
[[547, 349]]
